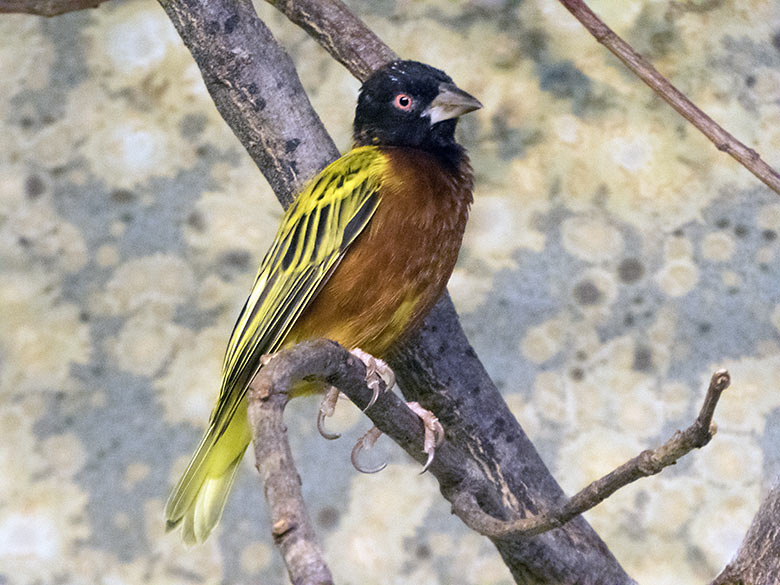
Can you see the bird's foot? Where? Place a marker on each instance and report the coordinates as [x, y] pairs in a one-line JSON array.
[[434, 436], [434, 432], [327, 407], [364, 443], [376, 370]]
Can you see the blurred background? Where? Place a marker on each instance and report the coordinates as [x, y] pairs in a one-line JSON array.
[[613, 261]]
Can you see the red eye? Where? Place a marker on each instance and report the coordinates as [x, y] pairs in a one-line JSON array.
[[403, 102]]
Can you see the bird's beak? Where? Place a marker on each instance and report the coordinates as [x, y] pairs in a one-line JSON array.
[[451, 102]]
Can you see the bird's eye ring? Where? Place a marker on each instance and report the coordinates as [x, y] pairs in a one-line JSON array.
[[403, 101]]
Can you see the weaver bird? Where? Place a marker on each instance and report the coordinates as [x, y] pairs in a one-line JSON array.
[[360, 257]]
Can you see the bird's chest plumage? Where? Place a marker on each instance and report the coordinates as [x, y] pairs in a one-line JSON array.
[[399, 266]]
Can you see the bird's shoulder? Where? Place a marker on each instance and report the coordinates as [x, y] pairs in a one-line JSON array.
[[360, 169]]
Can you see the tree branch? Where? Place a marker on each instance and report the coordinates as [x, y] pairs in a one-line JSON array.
[[461, 481], [724, 141], [46, 7], [291, 526], [253, 83], [325, 360], [340, 33], [647, 463], [329, 362]]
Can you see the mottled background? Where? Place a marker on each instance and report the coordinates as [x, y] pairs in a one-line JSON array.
[[614, 259]]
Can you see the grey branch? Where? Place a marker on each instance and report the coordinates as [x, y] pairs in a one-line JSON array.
[[256, 89], [268, 395], [291, 526], [724, 141], [647, 463], [340, 33], [462, 482]]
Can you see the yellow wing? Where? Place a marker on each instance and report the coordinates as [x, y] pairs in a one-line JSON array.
[[314, 235]]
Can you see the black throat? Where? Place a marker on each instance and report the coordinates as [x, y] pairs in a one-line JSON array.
[[438, 141]]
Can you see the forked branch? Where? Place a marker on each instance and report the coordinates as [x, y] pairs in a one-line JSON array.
[[460, 480], [292, 529]]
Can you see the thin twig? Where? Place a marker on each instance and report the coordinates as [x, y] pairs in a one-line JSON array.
[[647, 463], [724, 141], [460, 481], [329, 362]]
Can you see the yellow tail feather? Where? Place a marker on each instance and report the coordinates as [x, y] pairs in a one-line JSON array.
[[199, 498]]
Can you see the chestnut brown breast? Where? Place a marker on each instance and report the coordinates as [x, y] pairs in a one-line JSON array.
[[399, 266]]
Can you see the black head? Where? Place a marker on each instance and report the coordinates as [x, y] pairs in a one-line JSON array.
[[406, 103]]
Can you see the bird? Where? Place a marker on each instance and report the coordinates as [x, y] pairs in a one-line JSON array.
[[361, 256]]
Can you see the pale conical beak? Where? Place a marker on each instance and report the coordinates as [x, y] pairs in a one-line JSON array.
[[451, 103]]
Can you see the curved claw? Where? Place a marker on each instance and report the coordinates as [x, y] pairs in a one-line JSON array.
[[434, 432], [374, 396], [428, 462], [321, 428], [366, 442], [438, 432], [327, 406]]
